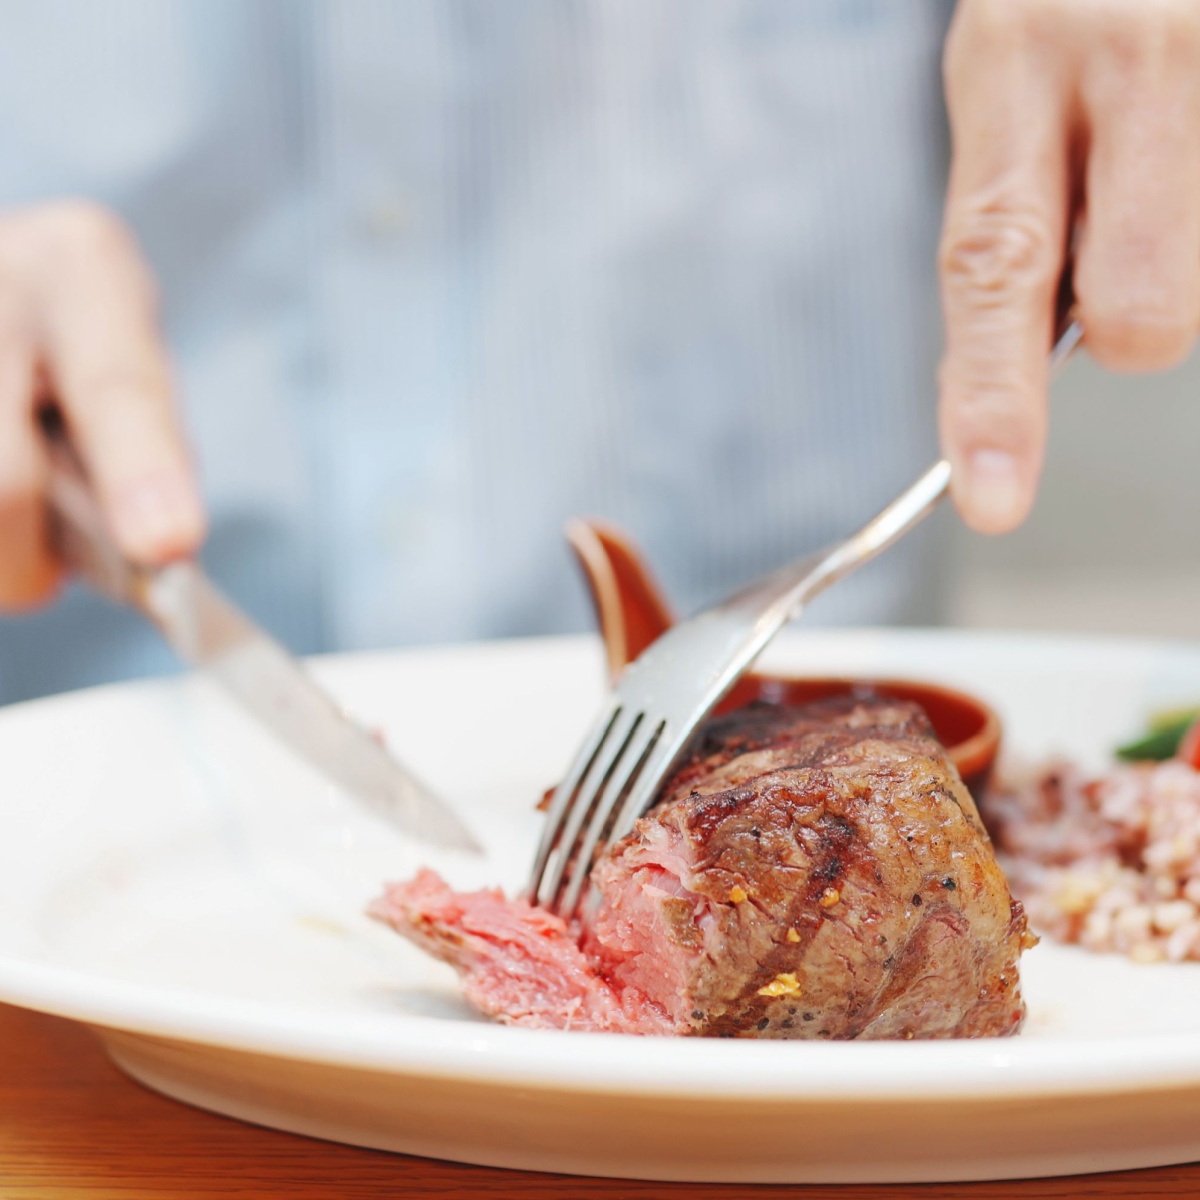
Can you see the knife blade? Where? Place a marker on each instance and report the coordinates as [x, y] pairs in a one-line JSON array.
[[211, 633]]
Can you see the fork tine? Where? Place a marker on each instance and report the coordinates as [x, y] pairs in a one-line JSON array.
[[637, 750], [641, 794], [584, 802], [563, 795], [580, 805]]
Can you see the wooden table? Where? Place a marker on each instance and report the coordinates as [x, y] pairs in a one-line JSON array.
[[72, 1126]]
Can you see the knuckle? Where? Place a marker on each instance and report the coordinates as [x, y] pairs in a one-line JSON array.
[[995, 252]]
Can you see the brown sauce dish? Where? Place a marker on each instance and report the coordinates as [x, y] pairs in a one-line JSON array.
[[633, 612]]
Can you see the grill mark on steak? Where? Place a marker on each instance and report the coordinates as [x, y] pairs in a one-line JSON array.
[[833, 847]]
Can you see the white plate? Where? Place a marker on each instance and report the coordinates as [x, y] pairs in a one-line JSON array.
[[170, 876]]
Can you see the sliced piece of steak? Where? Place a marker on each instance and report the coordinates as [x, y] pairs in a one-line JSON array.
[[813, 872], [519, 963]]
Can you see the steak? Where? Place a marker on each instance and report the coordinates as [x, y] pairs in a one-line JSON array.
[[814, 872]]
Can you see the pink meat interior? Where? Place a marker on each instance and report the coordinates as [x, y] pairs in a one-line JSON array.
[[650, 929], [519, 963]]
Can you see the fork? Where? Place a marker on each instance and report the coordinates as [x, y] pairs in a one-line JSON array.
[[656, 706]]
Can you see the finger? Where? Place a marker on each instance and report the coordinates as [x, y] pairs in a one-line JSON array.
[[110, 372], [29, 573], [1137, 274], [1001, 256]]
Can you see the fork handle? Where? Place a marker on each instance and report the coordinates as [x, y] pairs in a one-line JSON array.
[[795, 586]]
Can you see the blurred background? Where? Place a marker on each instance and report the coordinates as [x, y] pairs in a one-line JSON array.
[[1111, 546], [438, 276]]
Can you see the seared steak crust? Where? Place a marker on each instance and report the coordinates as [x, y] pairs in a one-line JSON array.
[[817, 872]]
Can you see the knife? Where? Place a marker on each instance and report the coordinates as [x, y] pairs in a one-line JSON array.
[[209, 632]]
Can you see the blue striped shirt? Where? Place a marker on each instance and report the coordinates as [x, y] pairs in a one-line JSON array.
[[439, 274]]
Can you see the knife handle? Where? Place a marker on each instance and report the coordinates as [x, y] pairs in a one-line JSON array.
[[78, 532]]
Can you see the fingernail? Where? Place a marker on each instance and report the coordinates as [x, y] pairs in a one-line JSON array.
[[157, 518], [994, 492]]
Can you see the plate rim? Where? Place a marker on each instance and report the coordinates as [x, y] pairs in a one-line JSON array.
[[444, 1048]]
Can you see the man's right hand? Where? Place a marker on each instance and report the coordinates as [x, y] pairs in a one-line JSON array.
[[78, 323]]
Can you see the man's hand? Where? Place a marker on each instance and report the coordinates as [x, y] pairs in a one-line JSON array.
[[77, 322], [1064, 113]]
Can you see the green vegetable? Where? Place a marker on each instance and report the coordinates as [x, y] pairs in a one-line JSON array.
[[1162, 740]]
